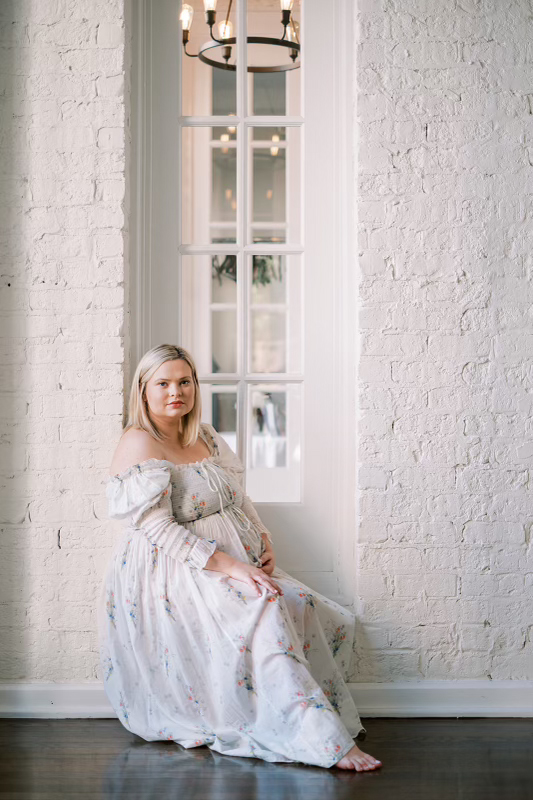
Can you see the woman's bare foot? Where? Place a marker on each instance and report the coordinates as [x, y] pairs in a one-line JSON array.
[[356, 759]]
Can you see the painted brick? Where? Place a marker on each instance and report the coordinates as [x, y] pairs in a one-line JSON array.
[[62, 177]]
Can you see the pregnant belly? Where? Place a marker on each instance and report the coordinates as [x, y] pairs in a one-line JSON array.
[[234, 533]]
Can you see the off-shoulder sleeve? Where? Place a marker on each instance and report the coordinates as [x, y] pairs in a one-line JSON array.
[[231, 462], [142, 494], [136, 490]]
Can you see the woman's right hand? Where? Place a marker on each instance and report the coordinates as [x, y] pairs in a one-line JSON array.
[[253, 576], [240, 571]]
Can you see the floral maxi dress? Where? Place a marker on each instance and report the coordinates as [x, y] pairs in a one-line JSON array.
[[191, 655]]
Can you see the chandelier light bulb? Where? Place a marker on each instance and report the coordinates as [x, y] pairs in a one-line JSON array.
[[225, 30], [187, 13], [224, 137], [210, 5], [293, 31], [286, 5]]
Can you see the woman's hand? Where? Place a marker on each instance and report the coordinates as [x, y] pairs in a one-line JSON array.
[[253, 576], [268, 559]]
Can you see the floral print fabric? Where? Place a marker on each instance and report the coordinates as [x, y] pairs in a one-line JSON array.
[[191, 655]]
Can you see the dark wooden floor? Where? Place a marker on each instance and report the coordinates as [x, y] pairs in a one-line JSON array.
[[423, 759]]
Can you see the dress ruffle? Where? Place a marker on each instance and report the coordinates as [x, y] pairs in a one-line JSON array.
[[137, 489]]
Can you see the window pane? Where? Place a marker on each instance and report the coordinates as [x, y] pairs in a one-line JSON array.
[[228, 134], [264, 233], [274, 413], [269, 180], [269, 280], [209, 311], [269, 337], [219, 407], [224, 341], [275, 187], [224, 185], [224, 91], [275, 314], [269, 90], [273, 93], [266, 134], [209, 187], [206, 89]]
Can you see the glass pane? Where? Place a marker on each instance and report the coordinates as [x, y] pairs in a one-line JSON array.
[[275, 191], [263, 233], [224, 91], [266, 134], [209, 187], [209, 311], [269, 280], [275, 314], [224, 185], [274, 93], [269, 180], [269, 337], [227, 134], [219, 407], [207, 89], [269, 93], [224, 341], [274, 423], [221, 234]]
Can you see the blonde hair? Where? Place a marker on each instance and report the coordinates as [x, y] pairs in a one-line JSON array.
[[138, 414]]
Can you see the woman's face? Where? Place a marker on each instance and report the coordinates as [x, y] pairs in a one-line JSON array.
[[170, 391]]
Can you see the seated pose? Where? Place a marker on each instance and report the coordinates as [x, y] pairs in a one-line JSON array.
[[203, 639]]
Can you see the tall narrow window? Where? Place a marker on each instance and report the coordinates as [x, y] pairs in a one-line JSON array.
[[241, 254]]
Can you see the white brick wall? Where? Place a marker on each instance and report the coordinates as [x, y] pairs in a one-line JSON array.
[[445, 566], [62, 239]]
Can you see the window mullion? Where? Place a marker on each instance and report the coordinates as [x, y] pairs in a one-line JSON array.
[[258, 122]]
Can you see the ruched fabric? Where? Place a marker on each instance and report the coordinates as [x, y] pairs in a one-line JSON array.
[[191, 655]]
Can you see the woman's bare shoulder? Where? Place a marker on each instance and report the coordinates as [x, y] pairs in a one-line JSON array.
[[135, 446]]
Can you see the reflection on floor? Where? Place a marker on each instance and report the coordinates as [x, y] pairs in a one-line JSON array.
[[426, 759]]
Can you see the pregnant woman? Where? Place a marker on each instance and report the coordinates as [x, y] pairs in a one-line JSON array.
[[203, 639]]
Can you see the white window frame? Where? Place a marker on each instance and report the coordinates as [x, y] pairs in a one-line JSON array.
[[155, 236]]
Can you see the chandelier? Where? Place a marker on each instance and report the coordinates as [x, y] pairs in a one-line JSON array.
[[289, 41]]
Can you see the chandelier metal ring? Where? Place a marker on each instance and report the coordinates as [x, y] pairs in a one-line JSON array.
[[250, 40]]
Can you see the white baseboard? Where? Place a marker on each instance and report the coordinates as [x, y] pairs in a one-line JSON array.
[[469, 698]]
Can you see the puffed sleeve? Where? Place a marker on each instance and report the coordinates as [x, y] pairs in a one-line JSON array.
[[142, 494], [230, 461]]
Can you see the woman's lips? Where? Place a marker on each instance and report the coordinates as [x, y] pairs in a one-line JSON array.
[[176, 404]]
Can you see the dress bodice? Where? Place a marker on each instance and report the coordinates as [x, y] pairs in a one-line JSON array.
[[201, 489], [197, 489]]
